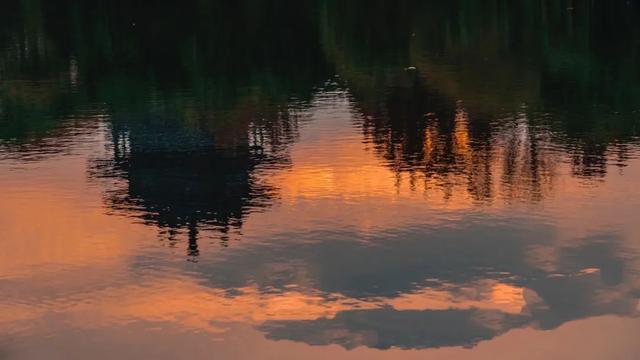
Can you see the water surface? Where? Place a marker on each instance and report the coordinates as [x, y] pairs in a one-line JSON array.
[[324, 179]]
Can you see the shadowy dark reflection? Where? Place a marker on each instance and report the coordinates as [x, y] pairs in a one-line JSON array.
[[453, 91], [409, 329], [487, 97], [127, 59], [189, 160], [530, 77], [419, 132], [177, 177], [193, 106], [588, 277]]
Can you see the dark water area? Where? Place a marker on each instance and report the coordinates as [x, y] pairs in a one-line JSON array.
[[320, 179]]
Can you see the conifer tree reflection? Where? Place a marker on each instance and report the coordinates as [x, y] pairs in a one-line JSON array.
[[196, 100], [181, 178], [193, 164], [531, 77]]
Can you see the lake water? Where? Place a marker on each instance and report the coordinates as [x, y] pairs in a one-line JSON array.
[[321, 179]]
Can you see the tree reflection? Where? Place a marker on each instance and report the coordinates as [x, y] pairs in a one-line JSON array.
[[190, 159], [488, 100], [179, 177], [458, 119], [480, 96], [194, 106]]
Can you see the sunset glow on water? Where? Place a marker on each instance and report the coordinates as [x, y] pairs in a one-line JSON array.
[[359, 180]]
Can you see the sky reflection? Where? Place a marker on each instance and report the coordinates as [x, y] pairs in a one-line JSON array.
[[446, 185]]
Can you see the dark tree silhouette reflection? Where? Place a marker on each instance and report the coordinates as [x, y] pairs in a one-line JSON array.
[[487, 95], [177, 177], [201, 101], [196, 101], [191, 159]]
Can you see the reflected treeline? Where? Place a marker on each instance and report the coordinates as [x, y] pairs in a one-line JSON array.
[[190, 159], [480, 94], [201, 100], [461, 95], [194, 105], [59, 59]]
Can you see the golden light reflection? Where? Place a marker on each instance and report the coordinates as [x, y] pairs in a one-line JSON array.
[[348, 185], [349, 172], [349, 175], [185, 302], [50, 227], [197, 307], [486, 296]]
